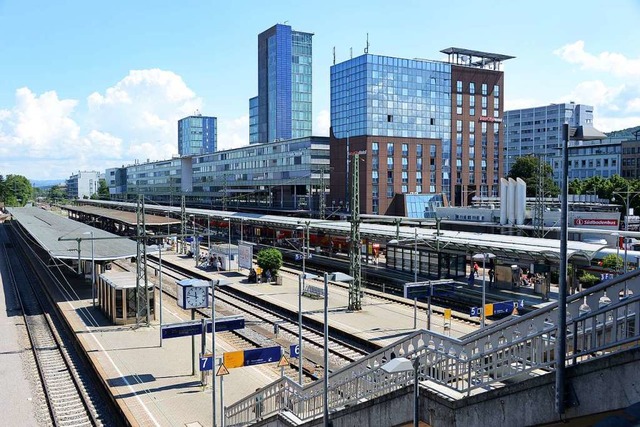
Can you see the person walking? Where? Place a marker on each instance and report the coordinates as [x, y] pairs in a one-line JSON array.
[[491, 276], [472, 278]]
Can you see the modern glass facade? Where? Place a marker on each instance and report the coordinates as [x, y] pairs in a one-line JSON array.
[[284, 85], [197, 135], [253, 120], [538, 131], [380, 95]]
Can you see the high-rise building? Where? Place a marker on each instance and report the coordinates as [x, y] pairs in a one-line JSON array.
[[197, 135], [425, 127], [538, 131], [282, 109]]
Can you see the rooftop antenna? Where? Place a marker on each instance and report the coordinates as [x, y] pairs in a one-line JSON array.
[[334, 55], [366, 49], [350, 53]]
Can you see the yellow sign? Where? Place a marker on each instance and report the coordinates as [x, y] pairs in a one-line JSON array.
[[488, 310], [283, 362], [233, 359], [222, 370], [447, 314]]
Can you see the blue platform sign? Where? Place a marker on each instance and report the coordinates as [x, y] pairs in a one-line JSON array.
[[228, 323], [475, 312], [258, 356], [507, 307], [300, 256], [206, 363], [434, 288], [184, 329], [294, 350]]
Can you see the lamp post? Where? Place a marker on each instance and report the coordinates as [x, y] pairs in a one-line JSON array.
[[301, 279], [478, 257], [415, 254], [93, 266], [402, 364], [208, 234], [160, 283], [229, 246], [561, 338], [339, 277]]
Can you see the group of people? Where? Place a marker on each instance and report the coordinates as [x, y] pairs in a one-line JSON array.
[[474, 272]]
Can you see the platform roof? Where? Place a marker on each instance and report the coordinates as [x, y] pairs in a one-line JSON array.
[[124, 217], [46, 228], [525, 248]]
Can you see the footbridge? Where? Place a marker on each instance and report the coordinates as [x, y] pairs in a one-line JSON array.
[[501, 374]]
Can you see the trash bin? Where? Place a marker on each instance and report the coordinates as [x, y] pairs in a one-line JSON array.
[[278, 280]]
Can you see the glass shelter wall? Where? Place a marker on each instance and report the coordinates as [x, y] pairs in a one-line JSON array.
[[430, 264]]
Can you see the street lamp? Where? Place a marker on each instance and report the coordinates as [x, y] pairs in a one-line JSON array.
[[93, 266], [483, 257], [336, 277], [229, 246], [214, 283], [402, 364], [582, 133]]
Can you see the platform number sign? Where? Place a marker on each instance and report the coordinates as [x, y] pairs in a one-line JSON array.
[[294, 350]]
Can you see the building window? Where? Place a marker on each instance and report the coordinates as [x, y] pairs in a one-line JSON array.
[[405, 163], [472, 101], [389, 163], [405, 149], [389, 177], [484, 102], [390, 148], [496, 91], [472, 88], [405, 177], [459, 125], [472, 111], [374, 147], [419, 177], [484, 89], [459, 86], [472, 127], [389, 191], [405, 189], [419, 150], [374, 177]]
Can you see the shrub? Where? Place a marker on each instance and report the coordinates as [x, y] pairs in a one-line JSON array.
[[270, 259]]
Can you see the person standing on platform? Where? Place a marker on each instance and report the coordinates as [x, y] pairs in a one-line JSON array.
[[472, 278], [491, 276]]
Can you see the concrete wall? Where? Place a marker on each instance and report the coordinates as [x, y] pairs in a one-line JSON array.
[[600, 385]]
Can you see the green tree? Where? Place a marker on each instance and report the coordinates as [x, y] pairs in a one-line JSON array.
[[576, 187], [17, 190], [612, 262], [57, 194], [2, 189], [270, 259], [527, 168], [103, 190]]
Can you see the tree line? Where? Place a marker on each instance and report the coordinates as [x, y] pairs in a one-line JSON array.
[[16, 190]]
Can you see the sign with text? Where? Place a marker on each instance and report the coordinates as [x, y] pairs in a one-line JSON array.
[[262, 355], [245, 255], [233, 359], [505, 307], [184, 329], [433, 288]]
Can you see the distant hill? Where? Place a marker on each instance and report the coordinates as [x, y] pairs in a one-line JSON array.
[[41, 183], [624, 133]]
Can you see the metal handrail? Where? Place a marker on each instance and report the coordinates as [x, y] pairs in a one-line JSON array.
[[515, 349]]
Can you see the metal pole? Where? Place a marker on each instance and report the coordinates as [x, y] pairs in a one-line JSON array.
[[79, 258], [203, 347], [160, 280], [561, 345], [93, 271], [208, 234], [415, 252], [193, 346], [300, 278], [229, 247], [429, 305], [326, 351], [415, 313], [304, 260], [222, 400], [626, 228], [484, 259], [416, 408], [213, 351]]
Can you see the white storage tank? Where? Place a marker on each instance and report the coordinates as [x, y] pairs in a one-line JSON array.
[[521, 200], [511, 202], [504, 189]]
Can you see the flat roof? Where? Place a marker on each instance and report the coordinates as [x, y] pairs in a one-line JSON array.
[[119, 279], [46, 228], [124, 217], [478, 53], [526, 248]]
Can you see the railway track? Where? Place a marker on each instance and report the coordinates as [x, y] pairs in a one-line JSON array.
[[68, 400], [256, 314]]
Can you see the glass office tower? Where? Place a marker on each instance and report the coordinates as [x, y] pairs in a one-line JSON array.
[[284, 86], [197, 134]]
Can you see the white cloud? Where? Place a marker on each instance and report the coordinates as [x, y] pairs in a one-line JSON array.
[[610, 62], [520, 103], [233, 132], [43, 136], [615, 96], [323, 123]]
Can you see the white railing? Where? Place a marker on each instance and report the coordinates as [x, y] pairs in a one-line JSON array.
[[600, 321]]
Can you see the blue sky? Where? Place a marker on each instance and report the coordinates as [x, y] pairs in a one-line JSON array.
[[88, 85]]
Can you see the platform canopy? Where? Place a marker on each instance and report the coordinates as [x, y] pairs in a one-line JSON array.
[[47, 228]]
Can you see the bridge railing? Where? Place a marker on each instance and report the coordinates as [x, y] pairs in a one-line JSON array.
[[600, 320]]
